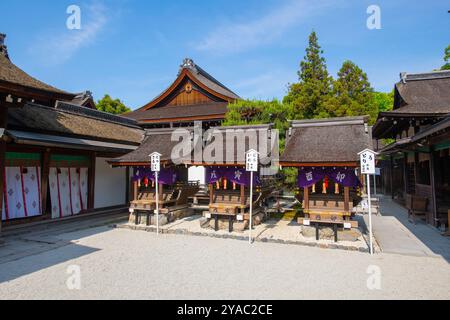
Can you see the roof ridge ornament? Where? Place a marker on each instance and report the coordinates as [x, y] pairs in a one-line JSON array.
[[3, 47], [188, 63]]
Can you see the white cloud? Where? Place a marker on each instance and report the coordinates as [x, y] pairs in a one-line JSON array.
[[237, 37], [60, 47]]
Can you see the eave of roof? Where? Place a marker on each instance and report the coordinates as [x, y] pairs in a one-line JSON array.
[[14, 79]]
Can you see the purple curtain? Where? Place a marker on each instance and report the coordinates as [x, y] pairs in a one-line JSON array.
[[167, 176], [310, 176], [344, 176], [236, 175]]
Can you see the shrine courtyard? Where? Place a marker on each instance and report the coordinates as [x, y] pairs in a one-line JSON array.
[[113, 263]]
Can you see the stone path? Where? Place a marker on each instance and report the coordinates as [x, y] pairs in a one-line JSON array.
[[395, 234]]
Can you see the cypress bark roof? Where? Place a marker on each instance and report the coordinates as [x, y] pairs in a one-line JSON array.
[[422, 95], [331, 140], [157, 140], [171, 112], [74, 121], [160, 140]]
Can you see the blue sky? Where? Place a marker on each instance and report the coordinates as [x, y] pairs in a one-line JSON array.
[[132, 49]]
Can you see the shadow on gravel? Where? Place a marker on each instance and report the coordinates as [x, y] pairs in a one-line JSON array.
[[42, 260]]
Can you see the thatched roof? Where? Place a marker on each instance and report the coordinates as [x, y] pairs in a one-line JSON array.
[[334, 140], [423, 93], [160, 140], [157, 140], [237, 140], [419, 96], [74, 121]]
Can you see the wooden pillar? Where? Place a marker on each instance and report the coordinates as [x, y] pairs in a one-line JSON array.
[[391, 175], [135, 190], [127, 186], [306, 199], [347, 199], [161, 192], [405, 173], [91, 182], [45, 171], [242, 198], [433, 188], [211, 193]]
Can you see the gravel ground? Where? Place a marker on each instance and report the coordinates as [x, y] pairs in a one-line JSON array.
[[125, 264]]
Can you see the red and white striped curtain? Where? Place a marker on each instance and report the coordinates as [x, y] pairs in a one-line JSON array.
[[68, 191], [22, 193]]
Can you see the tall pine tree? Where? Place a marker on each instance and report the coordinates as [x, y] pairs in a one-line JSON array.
[[310, 94], [352, 94]]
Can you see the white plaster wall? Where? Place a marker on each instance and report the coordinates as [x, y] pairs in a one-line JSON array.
[[197, 174], [110, 185]]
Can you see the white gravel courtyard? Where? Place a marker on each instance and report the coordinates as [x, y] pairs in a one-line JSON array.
[[126, 264]]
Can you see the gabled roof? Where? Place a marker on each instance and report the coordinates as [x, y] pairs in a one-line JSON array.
[[323, 141], [161, 141], [13, 76], [422, 93], [218, 94], [419, 96]]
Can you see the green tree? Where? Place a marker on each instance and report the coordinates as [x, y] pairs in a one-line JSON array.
[[384, 101], [245, 112], [352, 94], [310, 94], [114, 106], [446, 59]]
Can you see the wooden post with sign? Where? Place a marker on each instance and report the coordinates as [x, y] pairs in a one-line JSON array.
[[251, 166], [367, 158], [155, 159]]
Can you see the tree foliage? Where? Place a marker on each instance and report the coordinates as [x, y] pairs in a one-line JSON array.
[[383, 101], [315, 95], [446, 66], [114, 106], [310, 94], [352, 94]]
